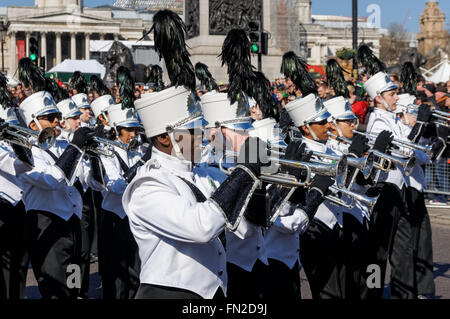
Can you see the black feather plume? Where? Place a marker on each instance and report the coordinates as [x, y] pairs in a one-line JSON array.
[[336, 79], [126, 87], [293, 67], [30, 75], [79, 83], [205, 77], [156, 77], [370, 62], [98, 86], [260, 91], [169, 36], [236, 55], [56, 90], [409, 78], [6, 98]]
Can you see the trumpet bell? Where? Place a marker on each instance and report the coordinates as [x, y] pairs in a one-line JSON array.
[[46, 138], [368, 165]]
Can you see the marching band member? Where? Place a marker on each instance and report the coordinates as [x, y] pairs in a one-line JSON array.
[[231, 119], [70, 122], [391, 185], [355, 231], [320, 248], [319, 244], [53, 208], [170, 216], [119, 257], [355, 220], [418, 219], [281, 239]]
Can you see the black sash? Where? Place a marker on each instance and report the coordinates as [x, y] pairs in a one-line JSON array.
[[197, 193], [122, 163], [201, 199], [77, 183]]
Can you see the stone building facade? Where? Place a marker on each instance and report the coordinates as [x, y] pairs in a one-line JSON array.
[[63, 29], [432, 28]]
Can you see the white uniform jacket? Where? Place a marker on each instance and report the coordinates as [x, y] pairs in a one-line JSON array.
[[379, 121], [416, 178], [10, 168], [115, 183], [45, 188], [282, 239], [328, 213], [176, 235]]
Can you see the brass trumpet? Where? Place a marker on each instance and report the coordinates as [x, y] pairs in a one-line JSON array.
[[105, 146], [401, 143], [364, 164], [336, 170], [19, 135], [134, 143], [442, 118], [386, 160], [366, 200]]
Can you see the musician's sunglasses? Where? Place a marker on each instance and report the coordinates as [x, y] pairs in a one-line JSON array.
[[50, 117], [349, 122]]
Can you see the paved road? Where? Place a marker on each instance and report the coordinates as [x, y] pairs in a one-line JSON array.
[[441, 251]]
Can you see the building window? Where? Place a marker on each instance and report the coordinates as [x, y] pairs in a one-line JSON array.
[[309, 52]]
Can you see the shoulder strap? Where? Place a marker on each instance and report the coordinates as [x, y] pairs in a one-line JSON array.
[[197, 193], [77, 183], [122, 163]]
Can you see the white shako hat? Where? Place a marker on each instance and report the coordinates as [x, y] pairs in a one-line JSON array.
[[305, 110], [339, 108], [170, 109], [101, 104], [124, 118], [8, 115], [218, 111], [37, 104], [81, 100], [68, 108], [378, 83], [268, 131]]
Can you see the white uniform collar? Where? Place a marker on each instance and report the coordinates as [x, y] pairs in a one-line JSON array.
[[171, 162], [385, 113]]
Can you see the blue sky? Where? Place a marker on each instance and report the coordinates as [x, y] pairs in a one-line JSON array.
[[399, 11]]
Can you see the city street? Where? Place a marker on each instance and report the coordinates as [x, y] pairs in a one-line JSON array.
[[441, 255]]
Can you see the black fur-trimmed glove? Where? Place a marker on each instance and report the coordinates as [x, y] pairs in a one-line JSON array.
[[233, 195], [319, 188]]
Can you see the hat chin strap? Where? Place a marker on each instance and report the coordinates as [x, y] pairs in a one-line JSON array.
[[38, 124], [176, 147], [385, 104], [312, 133], [337, 128]]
